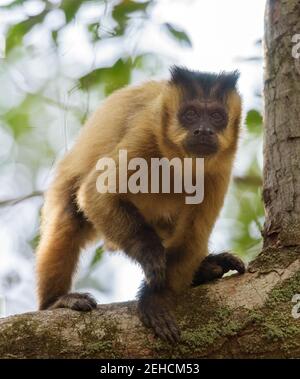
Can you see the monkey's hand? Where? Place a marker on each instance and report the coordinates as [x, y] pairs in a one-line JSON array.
[[77, 301], [215, 266], [155, 313]]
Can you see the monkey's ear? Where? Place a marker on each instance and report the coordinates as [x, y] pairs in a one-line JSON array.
[[227, 81], [180, 75]]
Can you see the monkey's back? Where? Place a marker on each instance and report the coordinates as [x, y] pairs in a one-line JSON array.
[[105, 129]]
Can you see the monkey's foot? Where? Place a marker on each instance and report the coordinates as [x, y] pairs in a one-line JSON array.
[[77, 301], [156, 314], [215, 266]]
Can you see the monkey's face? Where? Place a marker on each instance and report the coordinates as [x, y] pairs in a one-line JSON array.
[[204, 122], [207, 111]]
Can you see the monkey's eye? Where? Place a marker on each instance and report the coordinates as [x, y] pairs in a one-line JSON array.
[[190, 115], [217, 116]]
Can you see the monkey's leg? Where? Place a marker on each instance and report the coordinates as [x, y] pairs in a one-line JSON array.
[[155, 308], [120, 222], [215, 266], [64, 232]]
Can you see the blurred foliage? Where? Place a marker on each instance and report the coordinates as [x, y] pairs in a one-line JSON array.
[[97, 257], [47, 91], [178, 33], [46, 94], [246, 237], [114, 77], [254, 122]]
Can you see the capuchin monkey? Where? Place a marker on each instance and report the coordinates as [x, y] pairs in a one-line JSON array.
[[194, 114]]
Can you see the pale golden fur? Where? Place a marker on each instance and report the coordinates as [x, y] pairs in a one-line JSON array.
[[131, 118]]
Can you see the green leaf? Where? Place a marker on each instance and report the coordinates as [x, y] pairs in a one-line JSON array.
[[35, 241], [254, 121], [18, 119], [112, 78], [124, 9], [94, 29], [97, 256], [148, 62], [70, 8], [179, 34], [54, 35], [12, 4], [16, 33]]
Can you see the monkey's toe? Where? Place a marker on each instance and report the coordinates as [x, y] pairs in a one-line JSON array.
[[77, 301], [155, 311], [229, 262], [215, 266], [163, 324]]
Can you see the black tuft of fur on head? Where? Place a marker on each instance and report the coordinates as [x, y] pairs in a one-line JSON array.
[[221, 83]]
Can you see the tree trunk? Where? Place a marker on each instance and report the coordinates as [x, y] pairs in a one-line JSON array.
[[282, 125], [250, 316]]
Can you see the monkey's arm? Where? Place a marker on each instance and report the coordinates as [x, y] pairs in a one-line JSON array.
[[183, 258], [155, 307]]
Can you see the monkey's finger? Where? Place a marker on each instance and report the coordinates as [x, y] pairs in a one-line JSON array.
[[91, 299], [82, 305], [163, 325], [76, 301], [166, 328], [172, 324], [164, 333], [207, 272], [214, 272], [230, 262]]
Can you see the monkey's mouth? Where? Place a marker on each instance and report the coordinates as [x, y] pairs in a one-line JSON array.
[[203, 148]]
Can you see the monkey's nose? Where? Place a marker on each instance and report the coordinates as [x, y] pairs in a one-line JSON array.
[[203, 132]]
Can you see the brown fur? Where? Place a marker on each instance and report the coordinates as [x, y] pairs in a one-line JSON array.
[[170, 239]]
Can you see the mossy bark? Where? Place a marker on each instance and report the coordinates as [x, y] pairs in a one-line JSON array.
[[248, 316]]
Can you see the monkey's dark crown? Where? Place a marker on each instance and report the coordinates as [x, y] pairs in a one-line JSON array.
[[226, 81]]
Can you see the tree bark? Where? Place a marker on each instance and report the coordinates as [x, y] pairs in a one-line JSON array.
[[248, 316], [282, 125]]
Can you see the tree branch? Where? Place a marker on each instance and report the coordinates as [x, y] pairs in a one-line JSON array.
[[9, 202], [245, 316]]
